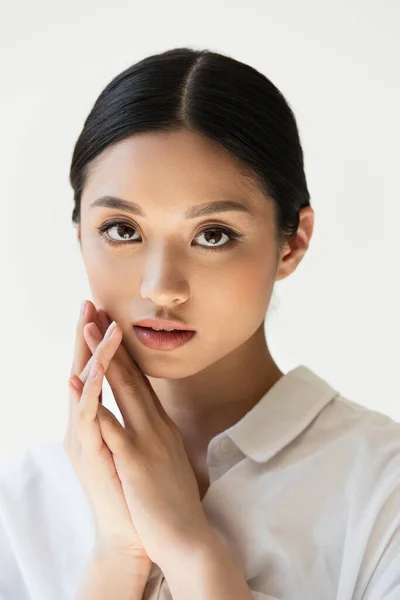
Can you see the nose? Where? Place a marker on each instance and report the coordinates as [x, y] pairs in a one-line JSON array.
[[163, 281]]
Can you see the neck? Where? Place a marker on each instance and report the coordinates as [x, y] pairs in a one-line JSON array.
[[216, 398]]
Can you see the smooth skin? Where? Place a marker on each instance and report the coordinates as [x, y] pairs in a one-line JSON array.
[[86, 449], [210, 383], [185, 397], [146, 455]]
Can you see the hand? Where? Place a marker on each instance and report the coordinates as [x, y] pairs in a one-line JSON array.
[[90, 456], [157, 478]]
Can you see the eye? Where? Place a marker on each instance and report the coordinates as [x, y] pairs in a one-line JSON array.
[[215, 233], [211, 234], [118, 225]]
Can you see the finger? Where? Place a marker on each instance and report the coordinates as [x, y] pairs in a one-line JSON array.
[[136, 399], [111, 429], [102, 347], [75, 387], [81, 347], [136, 375], [112, 432], [87, 408], [82, 353], [103, 322]]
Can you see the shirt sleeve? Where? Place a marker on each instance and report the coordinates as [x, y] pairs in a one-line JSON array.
[[385, 582], [381, 572], [12, 585]]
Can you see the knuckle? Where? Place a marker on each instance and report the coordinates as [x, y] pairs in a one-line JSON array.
[[83, 411], [106, 351], [101, 356], [83, 376], [101, 352], [83, 417], [73, 399]]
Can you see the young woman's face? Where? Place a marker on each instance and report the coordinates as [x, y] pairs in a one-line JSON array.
[[164, 264]]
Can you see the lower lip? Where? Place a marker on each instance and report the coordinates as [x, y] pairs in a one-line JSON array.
[[160, 340]]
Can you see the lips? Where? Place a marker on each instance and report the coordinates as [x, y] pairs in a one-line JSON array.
[[162, 330], [163, 324], [162, 340]]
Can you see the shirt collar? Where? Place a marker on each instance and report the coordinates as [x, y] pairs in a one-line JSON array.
[[282, 414]]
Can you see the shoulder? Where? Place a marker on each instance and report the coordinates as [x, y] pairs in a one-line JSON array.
[[351, 447], [367, 440], [363, 445], [362, 428]]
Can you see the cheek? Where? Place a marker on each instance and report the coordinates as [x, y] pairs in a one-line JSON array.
[[111, 279], [240, 293], [107, 268]]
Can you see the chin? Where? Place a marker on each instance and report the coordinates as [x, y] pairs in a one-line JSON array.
[[163, 365], [168, 371]]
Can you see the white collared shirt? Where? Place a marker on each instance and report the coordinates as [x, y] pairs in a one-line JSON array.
[[304, 492]]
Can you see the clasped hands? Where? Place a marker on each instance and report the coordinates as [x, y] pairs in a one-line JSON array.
[[137, 478]]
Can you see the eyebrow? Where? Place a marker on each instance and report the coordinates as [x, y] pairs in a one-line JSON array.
[[192, 213]]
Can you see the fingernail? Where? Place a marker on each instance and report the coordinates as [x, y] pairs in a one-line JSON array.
[[110, 330]]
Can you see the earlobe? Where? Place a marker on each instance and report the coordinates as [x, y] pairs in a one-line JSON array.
[[285, 267]]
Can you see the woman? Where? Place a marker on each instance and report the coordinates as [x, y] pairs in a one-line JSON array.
[[227, 478]]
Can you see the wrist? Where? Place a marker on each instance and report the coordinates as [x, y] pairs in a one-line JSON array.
[[110, 574], [121, 560], [208, 543]]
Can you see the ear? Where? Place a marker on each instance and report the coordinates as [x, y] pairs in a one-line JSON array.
[[293, 253]]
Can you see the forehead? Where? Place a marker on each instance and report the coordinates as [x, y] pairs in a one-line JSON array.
[[180, 166]]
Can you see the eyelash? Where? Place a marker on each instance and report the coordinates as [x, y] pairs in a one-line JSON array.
[[234, 237]]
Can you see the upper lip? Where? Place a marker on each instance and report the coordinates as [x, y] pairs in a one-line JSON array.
[[163, 324]]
